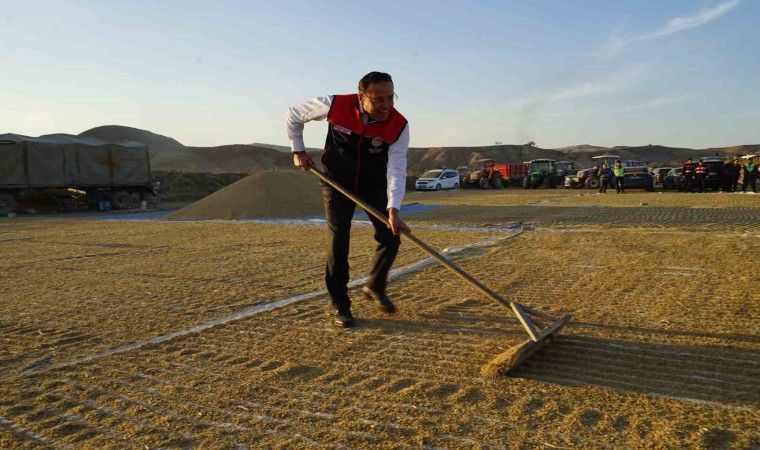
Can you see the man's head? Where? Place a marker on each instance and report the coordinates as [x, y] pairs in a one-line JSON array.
[[376, 94], [689, 160]]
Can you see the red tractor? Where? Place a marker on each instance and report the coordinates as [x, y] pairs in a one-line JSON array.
[[487, 173], [483, 175]]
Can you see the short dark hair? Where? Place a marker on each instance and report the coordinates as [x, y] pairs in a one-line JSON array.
[[373, 77]]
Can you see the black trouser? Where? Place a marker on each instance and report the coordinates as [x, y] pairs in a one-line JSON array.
[[735, 183], [727, 183], [749, 179], [620, 184], [603, 183], [701, 183], [339, 211], [688, 182]]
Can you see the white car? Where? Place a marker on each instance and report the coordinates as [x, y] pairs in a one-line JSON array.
[[435, 180]]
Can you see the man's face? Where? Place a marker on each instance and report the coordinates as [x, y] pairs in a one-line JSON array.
[[377, 101]]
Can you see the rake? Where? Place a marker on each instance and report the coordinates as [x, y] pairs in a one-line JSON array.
[[542, 328]]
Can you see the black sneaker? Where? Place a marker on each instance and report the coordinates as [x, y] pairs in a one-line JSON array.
[[344, 319], [381, 300]]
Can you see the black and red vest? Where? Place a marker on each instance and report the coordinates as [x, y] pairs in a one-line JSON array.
[[356, 155]]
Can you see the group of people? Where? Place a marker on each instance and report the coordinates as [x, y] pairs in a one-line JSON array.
[[695, 175], [617, 172]]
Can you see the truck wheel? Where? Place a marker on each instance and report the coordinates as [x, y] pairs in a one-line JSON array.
[[438, 187], [592, 183], [121, 200], [483, 183], [7, 204], [456, 185], [497, 181]]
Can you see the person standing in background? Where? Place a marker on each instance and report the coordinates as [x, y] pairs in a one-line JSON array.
[[750, 175], [700, 175], [728, 176], [688, 175], [735, 177], [604, 178], [619, 171]]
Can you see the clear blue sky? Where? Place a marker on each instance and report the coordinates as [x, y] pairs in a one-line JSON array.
[[679, 73]]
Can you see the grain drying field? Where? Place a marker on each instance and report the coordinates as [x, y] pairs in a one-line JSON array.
[[167, 334]]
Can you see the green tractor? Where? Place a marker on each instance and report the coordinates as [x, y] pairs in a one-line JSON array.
[[541, 172]]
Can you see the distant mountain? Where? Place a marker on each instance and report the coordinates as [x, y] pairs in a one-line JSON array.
[[169, 154], [583, 148], [284, 148]]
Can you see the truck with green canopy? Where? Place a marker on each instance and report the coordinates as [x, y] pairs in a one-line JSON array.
[[117, 172]]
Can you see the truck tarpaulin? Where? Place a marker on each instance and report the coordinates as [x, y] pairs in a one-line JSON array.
[[64, 161]]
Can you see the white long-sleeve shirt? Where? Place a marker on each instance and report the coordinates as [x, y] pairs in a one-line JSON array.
[[317, 109]]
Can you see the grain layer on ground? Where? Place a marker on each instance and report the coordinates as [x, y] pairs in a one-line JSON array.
[[663, 350]]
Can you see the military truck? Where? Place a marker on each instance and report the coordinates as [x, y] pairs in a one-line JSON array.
[[116, 172]]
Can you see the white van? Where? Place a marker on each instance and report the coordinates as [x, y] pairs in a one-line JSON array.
[[435, 180]]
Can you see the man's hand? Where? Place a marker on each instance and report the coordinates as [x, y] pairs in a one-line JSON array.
[[302, 160], [395, 222]]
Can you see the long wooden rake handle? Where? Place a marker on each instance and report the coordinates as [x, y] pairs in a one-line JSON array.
[[518, 309]]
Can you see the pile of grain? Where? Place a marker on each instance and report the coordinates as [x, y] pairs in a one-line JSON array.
[[265, 194]]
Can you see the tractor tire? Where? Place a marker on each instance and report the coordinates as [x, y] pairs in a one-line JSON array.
[[547, 183], [497, 181], [121, 200], [7, 204], [483, 183], [526, 183], [592, 183]]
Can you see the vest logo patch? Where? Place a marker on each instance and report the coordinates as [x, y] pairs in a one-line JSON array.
[[377, 141], [341, 129]]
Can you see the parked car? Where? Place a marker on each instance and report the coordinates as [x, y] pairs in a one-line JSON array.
[[659, 173], [673, 179], [435, 180], [638, 178]]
